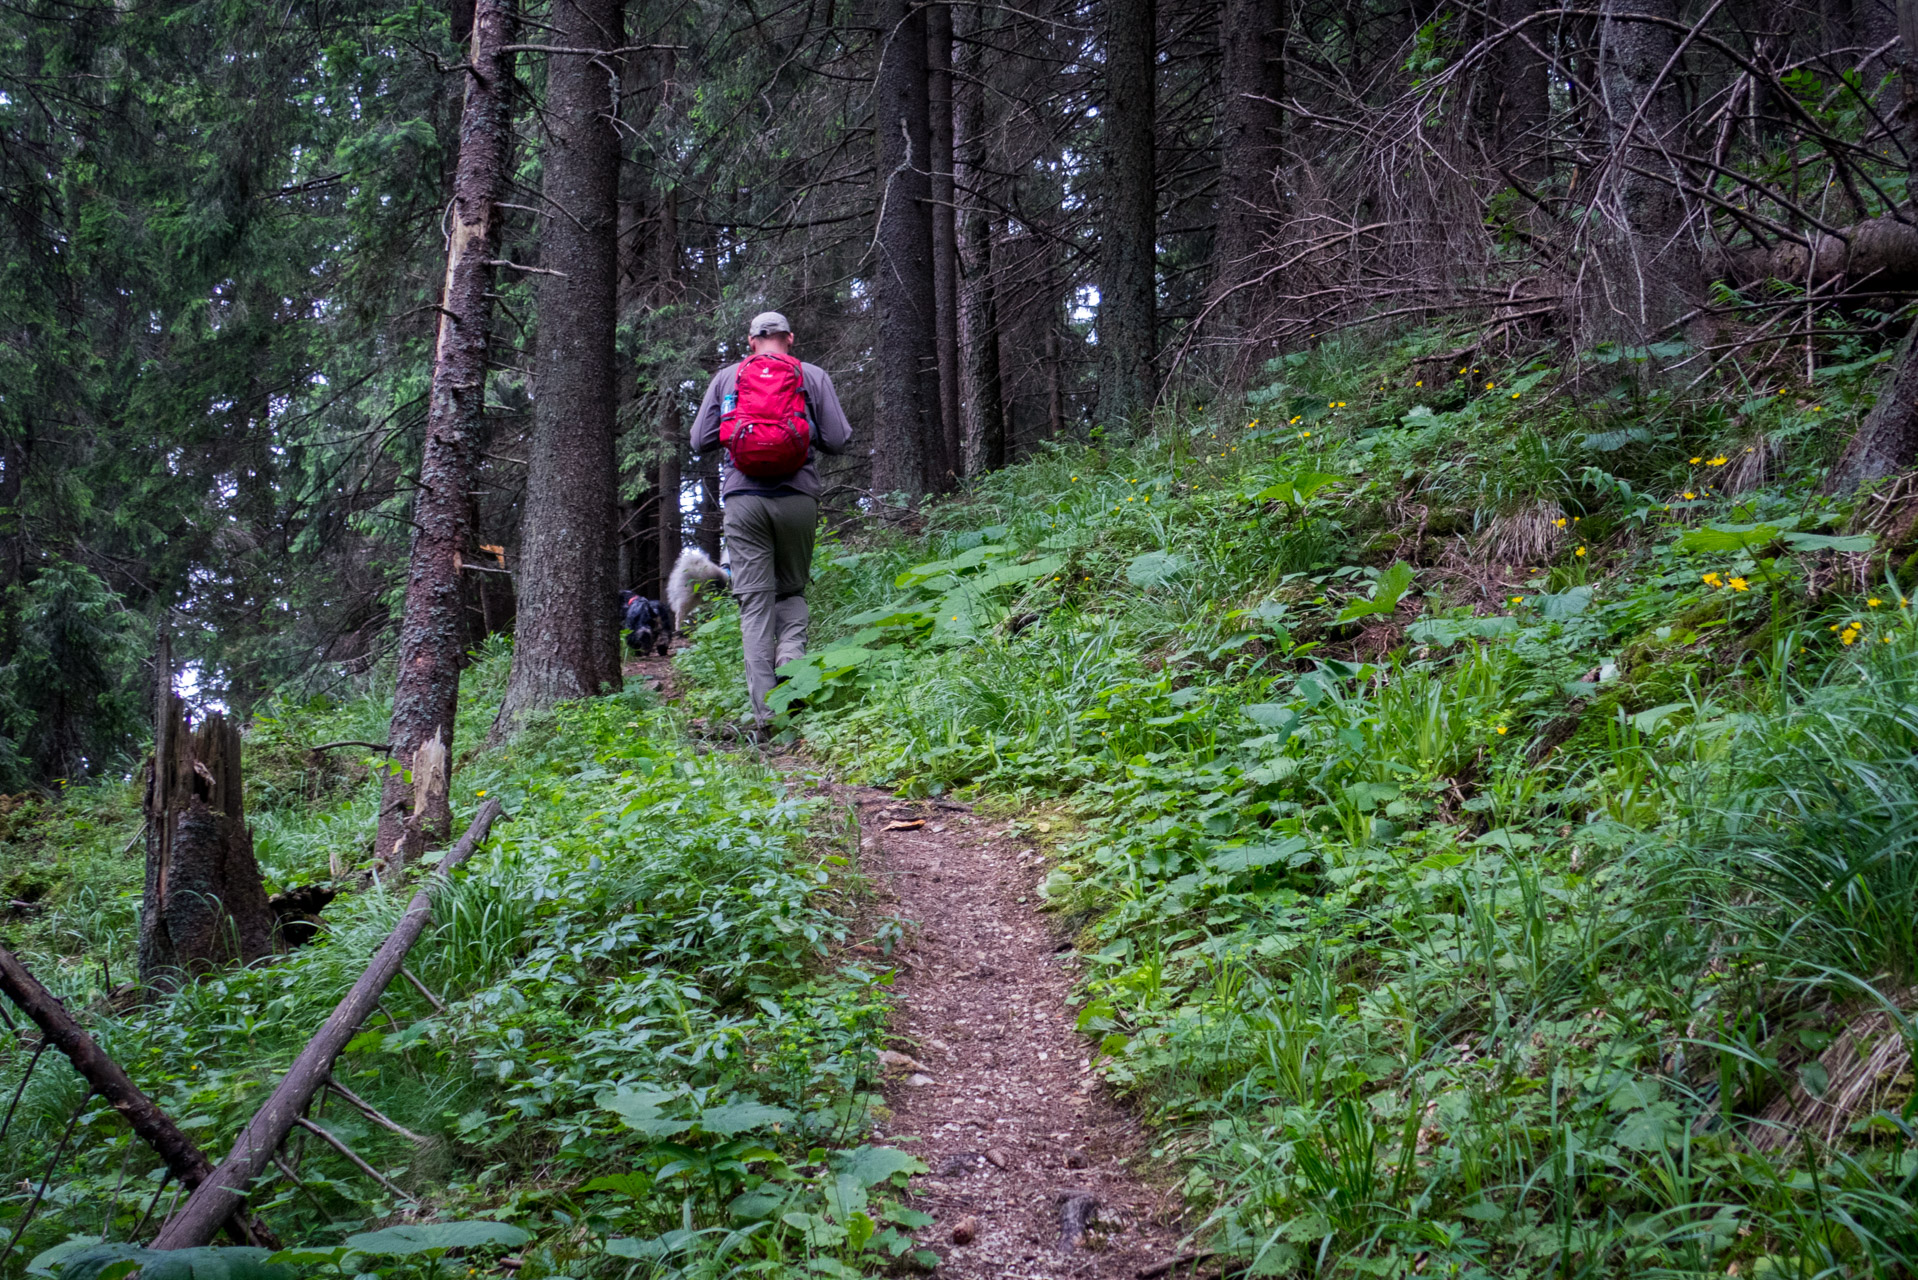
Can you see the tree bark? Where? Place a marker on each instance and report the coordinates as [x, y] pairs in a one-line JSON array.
[[150, 1124], [1521, 92], [672, 515], [1650, 270], [945, 244], [982, 390], [1128, 257], [1886, 442], [426, 696], [1252, 37], [905, 443], [219, 1196], [565, 641], [205, 904]]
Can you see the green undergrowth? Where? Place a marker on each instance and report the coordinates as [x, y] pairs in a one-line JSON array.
[[1483, 803], [651, 1061]]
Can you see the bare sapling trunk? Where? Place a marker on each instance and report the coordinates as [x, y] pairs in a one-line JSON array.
[[1128, 252], [564, 638], [907, 420], [204, 904], [219, 1196], [426, 696]]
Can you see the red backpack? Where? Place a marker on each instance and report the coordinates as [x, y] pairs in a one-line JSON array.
[[764, 426]]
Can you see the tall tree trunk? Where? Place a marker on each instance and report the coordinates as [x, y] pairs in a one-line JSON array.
[[1252, 36], [672, 514], [711, 516], [905, 439], [1521, 92], [1651, 270], [983, 395], [205, 904], [945, 242], [1128, 259], [565, 641], [426, 696], [1886, 442]]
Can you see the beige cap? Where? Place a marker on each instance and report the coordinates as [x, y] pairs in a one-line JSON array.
[[767, 322]]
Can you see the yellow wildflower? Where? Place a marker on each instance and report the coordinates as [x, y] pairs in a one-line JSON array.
[[1689, 495], [1873, 603], [1515, 395], [1501, 731], [1579, 552], [1719, 461], [1560, 522], [1518, 599], [1713, 580], [1696, 461], [1490, 385], [1848, 636], [1738, 584]]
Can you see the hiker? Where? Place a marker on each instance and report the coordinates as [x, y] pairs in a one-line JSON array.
[[771, 412]]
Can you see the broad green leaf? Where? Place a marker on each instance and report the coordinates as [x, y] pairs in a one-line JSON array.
[[1449, 631], [1830, 542], [874, 1165], [1723, 539], [111, 1261], [640, 1111], [1565, 604], [1385, 596], [738, 1117], [629, 1247], [44, 1262], [403, 1241], [635, 1186], [1154, 568], [1252, 857], [1271, 715]]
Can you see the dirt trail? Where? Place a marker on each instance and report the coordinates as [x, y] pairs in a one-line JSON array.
[[988, 1080], [999, 1097]]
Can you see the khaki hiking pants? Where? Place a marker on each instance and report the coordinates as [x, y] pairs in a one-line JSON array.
[[769, 541]]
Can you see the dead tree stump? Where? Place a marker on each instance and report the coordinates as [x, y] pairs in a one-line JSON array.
[[205, 904]]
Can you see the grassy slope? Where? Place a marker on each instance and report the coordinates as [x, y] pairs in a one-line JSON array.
[[1420, 960], [651, 930]]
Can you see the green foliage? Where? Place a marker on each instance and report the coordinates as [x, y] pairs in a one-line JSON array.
[[655, 927], [1492, 945], [69, 706]]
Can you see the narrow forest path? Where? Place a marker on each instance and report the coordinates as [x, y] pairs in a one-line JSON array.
[[1028, 1151], [988, 1080]]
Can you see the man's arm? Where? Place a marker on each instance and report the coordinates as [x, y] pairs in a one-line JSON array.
[[706, 421], [832, 433]]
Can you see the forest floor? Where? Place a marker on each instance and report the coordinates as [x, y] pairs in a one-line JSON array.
[[989, 1080]]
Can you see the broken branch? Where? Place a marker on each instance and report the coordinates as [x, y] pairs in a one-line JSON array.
[[213, 1200]]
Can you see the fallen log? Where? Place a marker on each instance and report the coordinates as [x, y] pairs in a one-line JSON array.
[[182, 1155], [215, 1199]]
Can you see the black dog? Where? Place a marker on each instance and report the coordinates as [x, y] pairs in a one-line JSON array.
[[646, 624]]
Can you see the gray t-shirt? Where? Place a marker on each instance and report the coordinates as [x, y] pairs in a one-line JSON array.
[[831, 433]]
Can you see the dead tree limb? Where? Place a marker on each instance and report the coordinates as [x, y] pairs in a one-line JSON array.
[[214, 1199], [182, 1155], [354, 1159], [371, 1112]]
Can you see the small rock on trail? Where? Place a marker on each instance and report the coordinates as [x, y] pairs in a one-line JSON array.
[[991, 1084]]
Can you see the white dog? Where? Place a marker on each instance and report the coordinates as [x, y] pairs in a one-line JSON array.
[[692, 568]]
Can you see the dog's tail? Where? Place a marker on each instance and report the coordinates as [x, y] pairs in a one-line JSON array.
[[692, 568]]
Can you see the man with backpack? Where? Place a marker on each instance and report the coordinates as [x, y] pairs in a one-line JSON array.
[[770, 412]]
